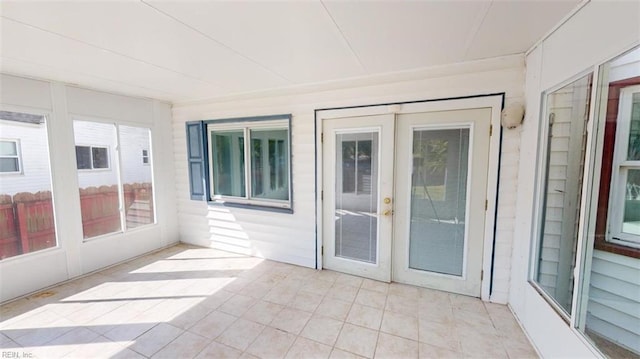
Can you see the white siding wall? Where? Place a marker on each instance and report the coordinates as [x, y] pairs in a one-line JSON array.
[[73, 257], [291, 237], [614, 295], [579, 44], [132, 141], [36, 174]]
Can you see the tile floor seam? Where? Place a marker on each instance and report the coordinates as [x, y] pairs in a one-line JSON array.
[[254, 339], [502, 343]]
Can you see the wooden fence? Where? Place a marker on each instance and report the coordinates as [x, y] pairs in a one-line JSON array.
[[27, 222]]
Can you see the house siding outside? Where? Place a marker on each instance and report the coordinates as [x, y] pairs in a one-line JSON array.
[[291, 237], [614, 299]]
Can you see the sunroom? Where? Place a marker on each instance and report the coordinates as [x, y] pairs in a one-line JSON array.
[[320, 178]]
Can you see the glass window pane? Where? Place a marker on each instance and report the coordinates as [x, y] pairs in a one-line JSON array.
[[99, 195], [633, 151], [26, 209], [438, 200], [9, 165], [100, 157], [567, 115], [356, 223], [137, 180], [269, 164], [83, 157], [256, 167], [228, 163], [272, 165], [8, 148], [348, 166], [282, 164], [631, 218], [363, 167]]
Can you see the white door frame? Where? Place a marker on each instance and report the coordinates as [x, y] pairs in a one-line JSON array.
[[487, 101]]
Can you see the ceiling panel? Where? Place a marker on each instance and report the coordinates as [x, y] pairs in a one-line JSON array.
[[393, 36], [24, 68], [34, 46], [512, 27], [188, 50], [297, 40], [140, 32]]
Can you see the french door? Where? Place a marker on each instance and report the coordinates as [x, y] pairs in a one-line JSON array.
[[404, 197], [358, 173]]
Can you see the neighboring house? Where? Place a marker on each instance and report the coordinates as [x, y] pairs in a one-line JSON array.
[[95, 151], [23, 142]]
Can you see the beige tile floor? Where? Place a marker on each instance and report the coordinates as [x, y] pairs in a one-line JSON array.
[[186, 302]]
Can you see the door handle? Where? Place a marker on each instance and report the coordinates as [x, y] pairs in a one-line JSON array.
[[387, 212]]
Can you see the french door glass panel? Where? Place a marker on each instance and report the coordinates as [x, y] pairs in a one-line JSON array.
[[438, 200], [356, 205], [440, 195]]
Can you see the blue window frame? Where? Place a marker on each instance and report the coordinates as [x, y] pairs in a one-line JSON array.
[[242, 162]]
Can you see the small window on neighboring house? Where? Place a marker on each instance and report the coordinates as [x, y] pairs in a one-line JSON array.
[[90, 157], [145, 157], [9, 156]]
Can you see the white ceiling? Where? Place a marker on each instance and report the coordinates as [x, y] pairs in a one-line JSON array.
[[186, 50]]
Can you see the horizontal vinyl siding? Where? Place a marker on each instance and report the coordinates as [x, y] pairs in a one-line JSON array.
[[614, 299], [292, 237]]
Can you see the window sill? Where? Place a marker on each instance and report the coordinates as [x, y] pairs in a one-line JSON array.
[[257, 207], [87, 170], [602, 245]]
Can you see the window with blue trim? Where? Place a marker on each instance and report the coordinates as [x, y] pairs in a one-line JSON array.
[[244, 161]]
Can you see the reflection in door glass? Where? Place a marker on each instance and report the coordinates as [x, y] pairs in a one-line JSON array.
[[356, 203], [438, 200]]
